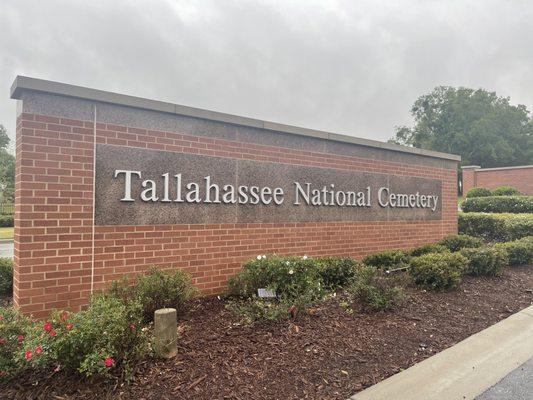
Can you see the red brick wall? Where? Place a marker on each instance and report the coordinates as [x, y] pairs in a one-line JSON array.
[[520, 178], [53, 229], [468, 179]]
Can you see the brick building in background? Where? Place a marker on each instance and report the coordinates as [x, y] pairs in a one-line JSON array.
[[74, 235], [520, 177]]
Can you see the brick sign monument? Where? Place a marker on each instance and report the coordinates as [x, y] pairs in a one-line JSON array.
[[109, 185]]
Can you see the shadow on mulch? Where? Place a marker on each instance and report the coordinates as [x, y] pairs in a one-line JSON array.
[[329, 355]]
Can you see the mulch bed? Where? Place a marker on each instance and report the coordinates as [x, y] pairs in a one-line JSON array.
[[328, 355]]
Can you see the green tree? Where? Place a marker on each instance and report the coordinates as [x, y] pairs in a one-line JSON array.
[[7, 169], [481, 127]]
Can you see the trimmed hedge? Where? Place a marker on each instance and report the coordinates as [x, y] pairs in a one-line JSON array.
[[519, 252], [429, 248], [387, 259], [6, 221], [496, 227], [458, 242], [499, 204], [438, 271], [506, 191], [486, 261], [478, 192]]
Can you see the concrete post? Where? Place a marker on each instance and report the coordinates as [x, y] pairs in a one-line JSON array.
[[165, 332]]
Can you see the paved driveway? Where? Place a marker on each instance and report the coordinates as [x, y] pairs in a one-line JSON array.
[[518, 385], [6, 249]]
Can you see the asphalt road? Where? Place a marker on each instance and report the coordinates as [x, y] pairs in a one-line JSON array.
[[517, 385], [6, 249]]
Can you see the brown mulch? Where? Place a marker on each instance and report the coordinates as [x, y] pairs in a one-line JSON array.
[[329, 355]]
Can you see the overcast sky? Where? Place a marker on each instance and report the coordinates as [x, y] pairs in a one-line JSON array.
[[352, 67]]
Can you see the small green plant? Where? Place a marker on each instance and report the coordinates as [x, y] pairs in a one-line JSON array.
[[458, 242], [156, 289], [6, 276], [388, 259], [506, 191], [429, 248], [478, 192], [255, 309], [519, 252], [438, 271], [337, 272], [487, 261], [376, 289]]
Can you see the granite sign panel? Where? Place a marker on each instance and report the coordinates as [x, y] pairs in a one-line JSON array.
[[149, 187]]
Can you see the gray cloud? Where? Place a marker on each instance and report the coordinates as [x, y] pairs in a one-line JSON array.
[[352, 67]]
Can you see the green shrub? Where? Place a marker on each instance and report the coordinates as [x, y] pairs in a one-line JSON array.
[[496, 227], [13, 328], [376, 289], [458, 242], [429, 248], [6, 276], [506, 191], [6, 221], [478, 192], [156, 289], [519, 252], [438, 271], [486, 261], [388, 259], [337, 272], [499, 204]]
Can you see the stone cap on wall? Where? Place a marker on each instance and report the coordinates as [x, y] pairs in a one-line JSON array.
[[23, 83], [478, 168]]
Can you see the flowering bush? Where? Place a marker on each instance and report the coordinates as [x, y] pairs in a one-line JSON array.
[[96, 341], [295, 281], [157, 289], [92, 342], [13, 328], [289, 277]]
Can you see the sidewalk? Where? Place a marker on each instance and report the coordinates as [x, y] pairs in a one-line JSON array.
[[6, 248], [468, 369]]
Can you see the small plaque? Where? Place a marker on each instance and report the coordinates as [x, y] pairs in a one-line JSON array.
[[265, 293]]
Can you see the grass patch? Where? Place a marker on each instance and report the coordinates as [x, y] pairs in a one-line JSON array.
[[6, 233]]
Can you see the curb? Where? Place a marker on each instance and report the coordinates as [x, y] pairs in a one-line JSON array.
[[464, 370], [6, 240]]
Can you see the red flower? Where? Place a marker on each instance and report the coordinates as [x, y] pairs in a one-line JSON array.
[[28, 355], [20, 338], [53, 333], [109, 362], [48, 327], [69, 327], [39, 350], [2, 341]]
